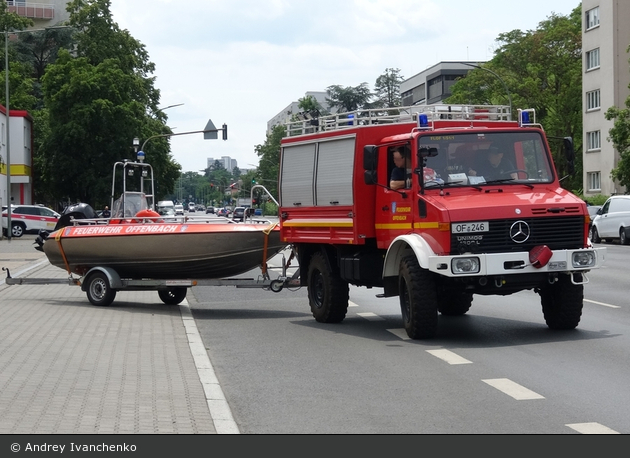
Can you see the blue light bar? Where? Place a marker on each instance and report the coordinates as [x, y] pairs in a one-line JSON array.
[[423, 121], [525, 118]]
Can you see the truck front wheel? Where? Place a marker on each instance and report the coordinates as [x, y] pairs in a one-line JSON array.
[[328, 295], [454, 301], [562, 303], [418, 299]]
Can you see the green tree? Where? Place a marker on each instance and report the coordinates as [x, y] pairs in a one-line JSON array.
[[97, 100], [269, 160], [542, 69], [619, 135], [348, 98], [387, 89]]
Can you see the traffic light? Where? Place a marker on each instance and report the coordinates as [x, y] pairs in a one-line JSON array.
[[224, 129], [253, 180], [211, 185]]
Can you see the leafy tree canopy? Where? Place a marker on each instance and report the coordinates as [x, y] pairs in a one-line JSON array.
[[542, 69]]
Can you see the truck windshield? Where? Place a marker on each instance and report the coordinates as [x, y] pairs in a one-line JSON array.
[[507, 157]]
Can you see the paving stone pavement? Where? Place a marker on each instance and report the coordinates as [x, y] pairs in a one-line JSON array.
[[68, 367]]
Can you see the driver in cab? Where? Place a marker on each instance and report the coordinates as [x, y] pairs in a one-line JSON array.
[[493, 166]]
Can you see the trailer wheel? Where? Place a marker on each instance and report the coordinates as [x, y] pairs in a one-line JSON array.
[[418, 299], [453, 301], [562, 303], [98, 290], [172, 296], [328, 295]]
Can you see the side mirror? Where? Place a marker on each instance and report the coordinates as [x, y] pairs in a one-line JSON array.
[[370, 177], [370, 158], [426, 152], [569, 153]]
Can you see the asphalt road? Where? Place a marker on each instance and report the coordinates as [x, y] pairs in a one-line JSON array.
[[497, 370]]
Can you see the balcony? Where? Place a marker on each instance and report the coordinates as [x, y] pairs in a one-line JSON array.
[[32, 10]]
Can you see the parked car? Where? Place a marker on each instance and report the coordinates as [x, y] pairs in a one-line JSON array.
[[179, 209], [612, 221], [29, 219], [238, 214]]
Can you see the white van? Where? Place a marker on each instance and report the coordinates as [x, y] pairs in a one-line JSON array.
[[163, 207], [612, 221]]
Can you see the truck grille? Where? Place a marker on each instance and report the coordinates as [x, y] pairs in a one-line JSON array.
[[557, 233]]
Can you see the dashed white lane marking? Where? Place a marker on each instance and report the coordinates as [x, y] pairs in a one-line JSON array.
[[400, 333], [219, 408], [371, 316], [603, 304], [592, 428], [513, 389], [352, 304], [449, 356]]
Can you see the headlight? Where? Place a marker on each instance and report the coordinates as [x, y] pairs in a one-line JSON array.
[[583, 259], [461, 266]]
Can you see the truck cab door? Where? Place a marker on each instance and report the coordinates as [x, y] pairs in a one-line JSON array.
[[394, 208]]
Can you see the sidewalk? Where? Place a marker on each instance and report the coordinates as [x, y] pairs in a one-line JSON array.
[[68, 367]]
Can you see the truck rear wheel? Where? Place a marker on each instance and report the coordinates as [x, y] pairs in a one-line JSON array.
[[328, 295], [562, 303], [418, 299], [98, 290], [172, 296]]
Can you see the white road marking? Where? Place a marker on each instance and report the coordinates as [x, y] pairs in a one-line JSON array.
[[371, 316], [513, 389], [352, 304], [449, 356], [603, 304], [400, 333], [217, 404], [592, 428]]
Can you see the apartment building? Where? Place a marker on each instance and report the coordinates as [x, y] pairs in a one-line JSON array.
[[605, 40], [45, 13]]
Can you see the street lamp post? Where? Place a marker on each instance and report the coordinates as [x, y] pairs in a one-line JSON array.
[[8, 115], [498, 77]]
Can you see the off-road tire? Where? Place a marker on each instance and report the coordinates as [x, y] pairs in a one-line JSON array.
[[173, 296], [328, 294], [98, 290], [418, 299], [454, 301], [562, 303]]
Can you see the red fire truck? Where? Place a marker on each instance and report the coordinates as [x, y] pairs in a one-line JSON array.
[[456, 231]]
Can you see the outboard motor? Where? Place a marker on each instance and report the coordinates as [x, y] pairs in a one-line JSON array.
[[70, 213]]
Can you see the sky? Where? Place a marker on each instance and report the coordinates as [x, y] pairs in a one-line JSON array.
[[240, 62]]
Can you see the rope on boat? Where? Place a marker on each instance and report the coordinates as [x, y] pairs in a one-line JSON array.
[[63, 253], [266, 244]]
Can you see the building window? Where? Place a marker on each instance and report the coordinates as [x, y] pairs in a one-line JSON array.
[[592, 18], [592, 59], [593, 100], [594, 180], [594, 140]]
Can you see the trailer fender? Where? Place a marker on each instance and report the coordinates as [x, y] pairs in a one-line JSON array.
[[403, 246], [112, 276]]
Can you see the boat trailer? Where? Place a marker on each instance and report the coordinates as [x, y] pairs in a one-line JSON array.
[[101, 283]]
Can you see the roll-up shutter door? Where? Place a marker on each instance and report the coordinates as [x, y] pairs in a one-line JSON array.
[[335, 165], [297, 176]]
